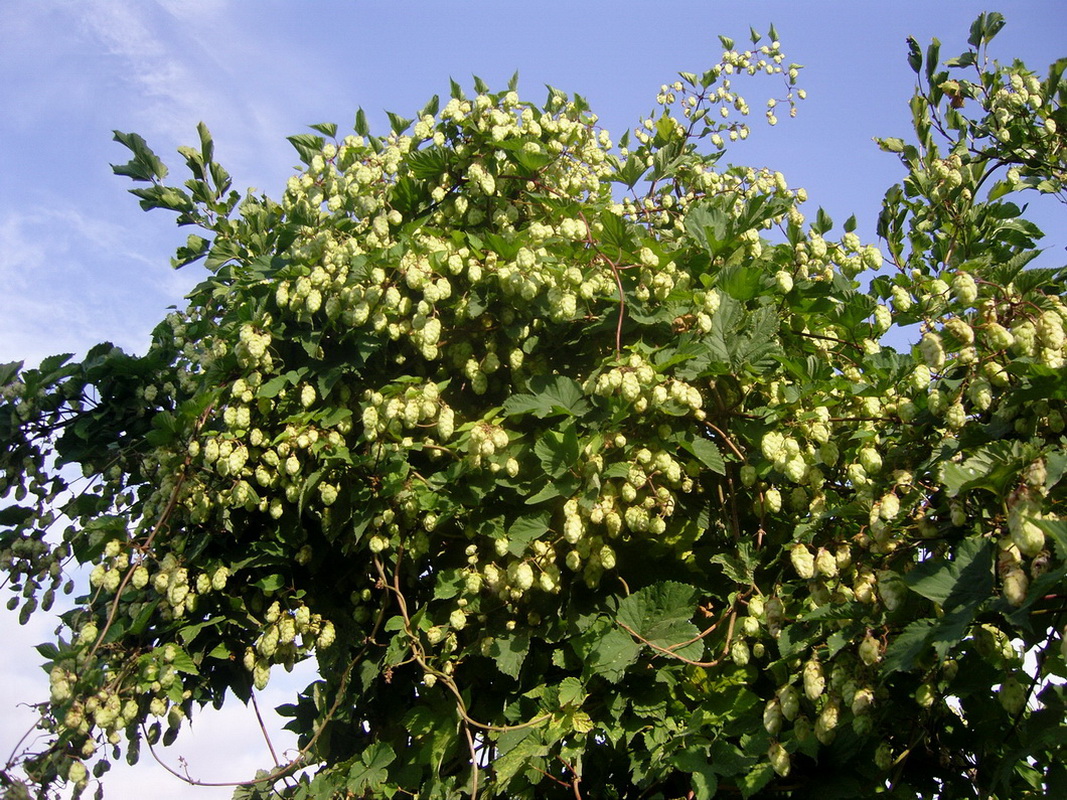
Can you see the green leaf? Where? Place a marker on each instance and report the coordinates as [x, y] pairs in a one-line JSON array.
[[307, 145], [707, 452], [558, 450], [984, 28], [196, 247], [823, 223], [660, 614], [528, 162], [908, 646], [325, 128], [274, 386], [551, 395], [959, 586], [794, 638], [369, 773], [145, 165], [610, 654], [710, 226], [564, 486], [517, 750], [695, 760], [618, 235], [739, 568], [189, 632], [428, 163], [726, 758], [967, 59], [510, 652], [851, 610], [15, 516], [964, 580], [397, 123], [361, 126], [183, 662], [742, 283], [571, 692], [758, 777], [270, 583], [449, 583], [933, 57], [165, 197], [993, 467], [705, 784], [47, 650], [11, 369], [525, 530], [915, 56], [630, 172], [1055, 529]]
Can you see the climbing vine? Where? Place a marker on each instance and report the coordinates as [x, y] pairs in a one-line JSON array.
[[580, 467]]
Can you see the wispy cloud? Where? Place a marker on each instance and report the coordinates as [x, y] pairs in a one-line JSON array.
[[74, 279], [168, 89], [187, 62]]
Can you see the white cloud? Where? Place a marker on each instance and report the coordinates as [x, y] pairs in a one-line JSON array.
[[75, 278], [22, 682], [224, 746]]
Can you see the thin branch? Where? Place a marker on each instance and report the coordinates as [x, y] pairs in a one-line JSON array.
[[474, 762], [577, 779], [263, 729], [299, 761], [551, 777], [725, 438], [664, 650], [277, 774], [11, 758], [699, 636]]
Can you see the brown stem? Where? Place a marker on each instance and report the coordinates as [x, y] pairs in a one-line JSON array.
[[729, 442], [665, 650], [553, 778], [474, 762], [263, 730], [574, 781], [296, 763], [699, 636]]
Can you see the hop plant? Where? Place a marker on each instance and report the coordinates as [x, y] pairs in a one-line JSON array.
[[507, 451]]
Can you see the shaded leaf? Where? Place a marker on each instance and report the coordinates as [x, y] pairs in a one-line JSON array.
[[510, 652]]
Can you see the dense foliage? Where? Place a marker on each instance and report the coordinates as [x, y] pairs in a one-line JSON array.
[[581, 469]]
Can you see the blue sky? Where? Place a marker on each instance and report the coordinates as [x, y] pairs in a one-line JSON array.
[[80, 263]]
